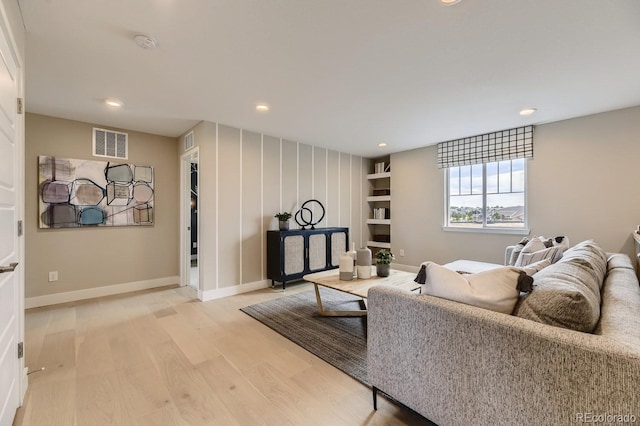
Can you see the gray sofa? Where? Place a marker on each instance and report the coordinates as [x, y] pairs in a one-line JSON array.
[[457, 364]]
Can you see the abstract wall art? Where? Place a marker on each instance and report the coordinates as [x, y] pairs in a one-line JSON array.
[[83, 193]]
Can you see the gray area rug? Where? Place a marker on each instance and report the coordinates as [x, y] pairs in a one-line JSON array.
[[340, 341]]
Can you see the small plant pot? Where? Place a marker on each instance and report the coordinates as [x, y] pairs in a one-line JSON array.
[[383, 269], [284, 225]]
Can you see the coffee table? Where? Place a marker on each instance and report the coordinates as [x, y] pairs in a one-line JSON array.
[[358, 287]]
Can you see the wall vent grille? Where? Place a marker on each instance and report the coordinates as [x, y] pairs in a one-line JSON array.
[[189, 141], [108, 143]]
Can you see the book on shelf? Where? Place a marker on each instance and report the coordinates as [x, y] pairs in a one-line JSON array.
[[380, 213], [381, 191]]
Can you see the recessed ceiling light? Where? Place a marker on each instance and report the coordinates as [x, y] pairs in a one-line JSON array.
[[382, 144], [145, 41], [262, 107], [528, 111], [450, 2], [113, 102]]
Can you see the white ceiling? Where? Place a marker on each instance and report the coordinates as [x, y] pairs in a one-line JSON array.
[[342, 74]]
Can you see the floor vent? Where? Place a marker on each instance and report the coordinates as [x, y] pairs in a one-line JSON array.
[[108, 143]]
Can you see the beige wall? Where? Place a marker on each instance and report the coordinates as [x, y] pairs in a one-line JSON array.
[[246, 178], [86, 258], [581, 183]]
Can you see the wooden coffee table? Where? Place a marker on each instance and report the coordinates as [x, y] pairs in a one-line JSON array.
[[358, 287]]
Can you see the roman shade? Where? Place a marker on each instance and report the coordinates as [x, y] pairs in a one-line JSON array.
[[497, 146]]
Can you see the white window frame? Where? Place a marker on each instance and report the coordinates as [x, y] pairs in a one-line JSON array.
[[486, 229]]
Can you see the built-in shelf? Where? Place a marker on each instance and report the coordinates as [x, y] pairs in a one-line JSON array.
[[379, 199], [379, 244], [373, 198], [378, 221], [379, 175]]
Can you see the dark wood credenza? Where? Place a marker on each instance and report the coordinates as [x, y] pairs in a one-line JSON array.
[[294, 253]]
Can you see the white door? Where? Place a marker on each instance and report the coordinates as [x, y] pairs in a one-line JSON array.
[[11, 310], [190, 229]]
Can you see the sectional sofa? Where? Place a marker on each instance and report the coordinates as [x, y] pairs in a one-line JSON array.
[[457, 364]]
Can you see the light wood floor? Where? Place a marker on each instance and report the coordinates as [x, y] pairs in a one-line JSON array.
[[160, 357]]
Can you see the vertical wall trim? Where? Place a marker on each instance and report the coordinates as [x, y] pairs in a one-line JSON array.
[[326, 184], [351, 192], [313, 172], [297, 176], [217, 237], [262, 253], [339, 190], [361, 204], [240, 199], [280, 167]]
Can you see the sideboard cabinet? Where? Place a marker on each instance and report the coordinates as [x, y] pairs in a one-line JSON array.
[[295, 253]]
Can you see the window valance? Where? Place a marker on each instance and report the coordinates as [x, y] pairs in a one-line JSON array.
[[497, 146]]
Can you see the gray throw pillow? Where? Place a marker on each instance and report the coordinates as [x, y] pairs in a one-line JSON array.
[[567, 293]]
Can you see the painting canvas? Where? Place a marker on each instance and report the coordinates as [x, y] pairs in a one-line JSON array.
[[86, 193]]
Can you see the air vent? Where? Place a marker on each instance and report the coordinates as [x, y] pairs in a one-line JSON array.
[[107, 143], [189, 141]]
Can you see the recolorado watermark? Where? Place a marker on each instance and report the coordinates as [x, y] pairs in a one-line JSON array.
[[605, 418]]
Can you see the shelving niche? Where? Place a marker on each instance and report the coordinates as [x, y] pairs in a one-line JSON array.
[[379, 200]]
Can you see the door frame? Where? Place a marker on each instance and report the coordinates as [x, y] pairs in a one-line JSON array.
[[19, 182], [185, 219]]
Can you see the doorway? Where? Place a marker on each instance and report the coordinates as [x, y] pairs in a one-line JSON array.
[[190, 271]]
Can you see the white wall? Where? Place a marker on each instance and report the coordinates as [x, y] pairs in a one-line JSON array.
[[582, 182], [245, 179]]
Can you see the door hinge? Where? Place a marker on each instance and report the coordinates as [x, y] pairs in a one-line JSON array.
[[20, 229], [20, 350], [20, 105]]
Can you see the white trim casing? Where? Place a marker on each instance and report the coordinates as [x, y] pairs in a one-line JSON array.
[[232, 290], [90, 293]]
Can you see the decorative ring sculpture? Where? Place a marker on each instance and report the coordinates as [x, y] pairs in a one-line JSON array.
[[300, 214]]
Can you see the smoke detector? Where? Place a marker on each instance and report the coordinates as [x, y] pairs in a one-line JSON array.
[[145, 41]]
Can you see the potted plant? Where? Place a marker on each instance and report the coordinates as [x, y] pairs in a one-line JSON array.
[[283, 220], [383, 261]]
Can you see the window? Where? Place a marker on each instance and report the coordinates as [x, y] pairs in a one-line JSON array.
[[487, 196]]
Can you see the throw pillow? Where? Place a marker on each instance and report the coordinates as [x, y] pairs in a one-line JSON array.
[[552, 253], [567, 294], [534, 244], [535, 267], [497, 289], [561, 241], [515, 253]]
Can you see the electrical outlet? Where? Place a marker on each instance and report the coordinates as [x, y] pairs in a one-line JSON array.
[[401, 252], [53, 276]]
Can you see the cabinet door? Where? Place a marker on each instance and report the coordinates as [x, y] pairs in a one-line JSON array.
[[317, 252], [293, 254], [338, 247]]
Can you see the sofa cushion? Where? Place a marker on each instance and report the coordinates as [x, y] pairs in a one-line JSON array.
[[567, 293], [496, 289]]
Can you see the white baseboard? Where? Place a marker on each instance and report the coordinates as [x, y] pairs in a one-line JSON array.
[[90, 293], [24, 383], [218, 293], [406, 268]]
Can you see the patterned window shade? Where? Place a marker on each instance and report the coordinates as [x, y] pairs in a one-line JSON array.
[[503, 145]]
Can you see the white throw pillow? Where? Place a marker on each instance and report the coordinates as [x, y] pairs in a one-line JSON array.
[[535, 244], [534, 267], [496, 289]]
